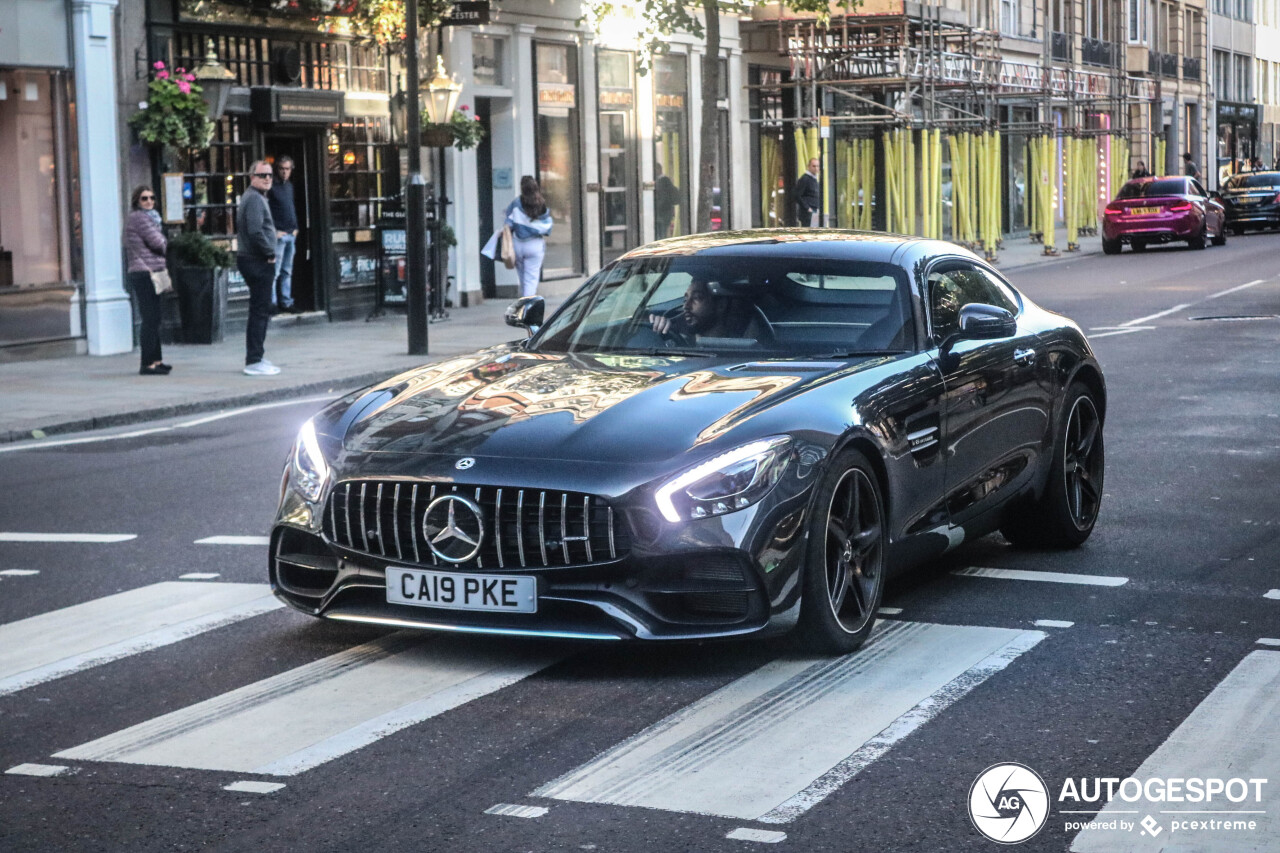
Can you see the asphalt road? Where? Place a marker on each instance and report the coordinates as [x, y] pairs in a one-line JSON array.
[[1091, 680]]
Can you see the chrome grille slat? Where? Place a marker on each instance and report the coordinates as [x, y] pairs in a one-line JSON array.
[[558, 536], [395, 520]]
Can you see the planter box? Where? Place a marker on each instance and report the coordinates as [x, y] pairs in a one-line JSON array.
[[202, 303]]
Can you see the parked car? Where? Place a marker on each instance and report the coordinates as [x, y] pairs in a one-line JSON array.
[[1252, 200], [1163, 210], [717, 435]]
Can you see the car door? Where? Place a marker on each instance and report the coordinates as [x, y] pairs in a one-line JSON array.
[[996, 410], [1214, 212]]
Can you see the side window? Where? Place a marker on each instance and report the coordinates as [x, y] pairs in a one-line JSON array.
[[1197, 189], [952, 289]]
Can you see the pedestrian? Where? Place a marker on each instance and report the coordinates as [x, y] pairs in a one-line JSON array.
[[809, 195], [666, 197], [1256, 164], [144, 248], [256, 260], [285, 215], [1189, 167], [530, 222], [1142, 171]]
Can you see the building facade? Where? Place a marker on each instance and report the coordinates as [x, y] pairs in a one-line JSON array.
[[61, 280]]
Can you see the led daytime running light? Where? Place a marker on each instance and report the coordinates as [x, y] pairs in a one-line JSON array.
[[309, 463], [693, 475]]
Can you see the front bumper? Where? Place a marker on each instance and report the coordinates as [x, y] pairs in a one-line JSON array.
[[725, 576]]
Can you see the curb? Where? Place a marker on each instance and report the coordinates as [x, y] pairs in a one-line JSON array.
[[194, 407]]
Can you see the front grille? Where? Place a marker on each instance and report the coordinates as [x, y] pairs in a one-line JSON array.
[[523, 528]]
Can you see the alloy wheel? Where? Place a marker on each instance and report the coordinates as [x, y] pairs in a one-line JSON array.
[[854, 550], [1082, 463]]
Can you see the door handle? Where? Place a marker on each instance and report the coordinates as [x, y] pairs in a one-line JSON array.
[[1024, 356]]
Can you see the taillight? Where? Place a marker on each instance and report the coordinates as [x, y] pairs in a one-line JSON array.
[[1180, 208], [1276, 200], [1111, 208]]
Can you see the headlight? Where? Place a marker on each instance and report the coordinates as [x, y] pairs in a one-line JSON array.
[[310, 471], [729, 482]]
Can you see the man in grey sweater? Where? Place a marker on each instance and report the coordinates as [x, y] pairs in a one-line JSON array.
[[256, 260]]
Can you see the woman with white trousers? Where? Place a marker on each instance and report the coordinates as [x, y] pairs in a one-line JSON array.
[[530, 223]]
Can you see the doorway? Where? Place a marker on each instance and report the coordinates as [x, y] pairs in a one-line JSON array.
[[308, 176], [484, 180]]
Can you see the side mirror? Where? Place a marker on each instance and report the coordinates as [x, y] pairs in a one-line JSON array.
[[979, 322], [527, 313]]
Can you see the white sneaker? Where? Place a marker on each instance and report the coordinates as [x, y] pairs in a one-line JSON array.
[[261, 368], [267, 363]]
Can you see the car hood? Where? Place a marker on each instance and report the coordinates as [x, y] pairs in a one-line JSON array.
[[506, 402]]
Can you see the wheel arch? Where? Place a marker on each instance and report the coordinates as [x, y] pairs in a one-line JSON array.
[[1092, 379]]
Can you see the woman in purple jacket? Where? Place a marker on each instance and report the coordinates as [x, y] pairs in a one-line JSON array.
[[144, 247]]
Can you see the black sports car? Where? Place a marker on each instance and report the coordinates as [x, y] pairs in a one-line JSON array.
[[1252, 200], [716, 435]]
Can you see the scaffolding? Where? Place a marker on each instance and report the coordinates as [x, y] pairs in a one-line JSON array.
[[897, 86]]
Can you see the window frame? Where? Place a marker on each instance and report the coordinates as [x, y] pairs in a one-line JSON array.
[[953, 264]]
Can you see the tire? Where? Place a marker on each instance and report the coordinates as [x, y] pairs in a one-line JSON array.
[[1221, 239], [1110, 247], [1198, 241], [1139, 245], [844, 569], [1065, 514]]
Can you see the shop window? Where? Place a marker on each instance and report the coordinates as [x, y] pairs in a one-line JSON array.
[[670, 147], [214, 179], [358, 159], [487, 67], [558, 154]]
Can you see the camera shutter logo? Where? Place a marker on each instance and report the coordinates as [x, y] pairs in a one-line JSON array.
[[454, 528], [1008, 803]]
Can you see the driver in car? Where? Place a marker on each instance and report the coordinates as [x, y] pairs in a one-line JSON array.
[[705, 314]]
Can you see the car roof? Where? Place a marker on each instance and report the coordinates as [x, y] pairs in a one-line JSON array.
[[871, 246]]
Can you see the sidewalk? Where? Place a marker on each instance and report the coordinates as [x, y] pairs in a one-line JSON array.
[[76, 393]]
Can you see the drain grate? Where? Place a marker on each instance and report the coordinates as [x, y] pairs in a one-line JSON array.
[[1235, 318]]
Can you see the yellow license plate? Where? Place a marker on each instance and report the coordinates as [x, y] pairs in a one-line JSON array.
[[1143, 211]]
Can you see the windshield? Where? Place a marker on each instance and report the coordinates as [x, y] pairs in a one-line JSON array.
[[759, 306], [1268, 180], [1164, 186]]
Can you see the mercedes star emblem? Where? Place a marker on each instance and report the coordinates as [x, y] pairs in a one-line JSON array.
[[465, 463], [454, 528]]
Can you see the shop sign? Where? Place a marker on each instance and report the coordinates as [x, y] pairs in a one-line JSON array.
[[467, 14], [272, 105], [556, 95], [616, 98], [669, 101]]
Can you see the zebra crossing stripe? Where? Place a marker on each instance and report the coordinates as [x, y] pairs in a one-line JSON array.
[[749, 750], [234, 540], [1044, 577], [294, 721], [99, 538], [51, 645], [1233, 733]]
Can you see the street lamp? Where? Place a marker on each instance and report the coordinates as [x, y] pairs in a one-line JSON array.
[[215, 81], [442, 94]]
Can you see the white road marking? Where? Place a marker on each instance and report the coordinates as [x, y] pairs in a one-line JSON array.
[[748, 750], [1165, 313], [889, 611], [250, 787], [1233, 733], [1268, 641], [1175, 309], [234, 540], [51, 645], [100, 538], [509, 810], [764, 836], [1273, 594], [66, 442], [1047, 577], [1253, 283], [302, 718], [199, 576], [38, 770], [1094, 337], [1052, 623], [20, 573]]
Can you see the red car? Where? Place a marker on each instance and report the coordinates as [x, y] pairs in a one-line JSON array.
[[1162, 210]]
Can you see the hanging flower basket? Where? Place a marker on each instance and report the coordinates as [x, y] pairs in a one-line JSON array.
[[174, 114], [463, 131]]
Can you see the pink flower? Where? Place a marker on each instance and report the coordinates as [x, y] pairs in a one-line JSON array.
[[464, 108], [180, 71], [191, 78], [162, 75], [184, 87]]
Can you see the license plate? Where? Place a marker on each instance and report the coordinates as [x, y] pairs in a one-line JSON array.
[[458, 591], [1144, 211]]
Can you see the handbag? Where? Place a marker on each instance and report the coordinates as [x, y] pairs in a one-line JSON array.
[[160, 280], [508, 248]]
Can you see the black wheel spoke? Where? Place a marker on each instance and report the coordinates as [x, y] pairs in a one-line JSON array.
[[839, 587], [1084, 444], [859, 596], [854, 538]]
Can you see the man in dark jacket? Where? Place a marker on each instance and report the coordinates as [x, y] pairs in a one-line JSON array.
[[808, 195], [285, 216], [256, 260]]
